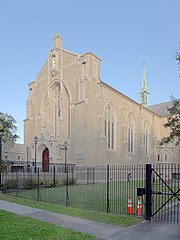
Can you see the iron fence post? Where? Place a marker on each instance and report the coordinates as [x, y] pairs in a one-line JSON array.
[[54, 177], [17, 185], [107, 189], [0, 155], [93, 175], [87, 171], [35, 152], [31, 178], [148, 192], [67, 193], [72, 171], [38, 197]]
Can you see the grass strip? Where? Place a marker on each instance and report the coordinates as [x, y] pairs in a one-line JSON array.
[[122, 220], [16, 227]]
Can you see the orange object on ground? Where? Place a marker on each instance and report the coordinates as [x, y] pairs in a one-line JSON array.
[[139, 207], [130, 208]]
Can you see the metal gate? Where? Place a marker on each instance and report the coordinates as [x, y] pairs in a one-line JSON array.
[[163, 193]]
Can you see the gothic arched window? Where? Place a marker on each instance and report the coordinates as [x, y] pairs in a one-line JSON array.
[[146, 138], [130, 133], [109, 126], [81, 91]]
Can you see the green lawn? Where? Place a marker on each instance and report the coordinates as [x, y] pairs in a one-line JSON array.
[[92, 196], [123, 220], [15, 227]]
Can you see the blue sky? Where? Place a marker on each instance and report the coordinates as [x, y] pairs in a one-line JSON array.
[[122, 33]]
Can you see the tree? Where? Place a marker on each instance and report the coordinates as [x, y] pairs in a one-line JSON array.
[[178, 58], [7, 133], [173, 122], [2, 167]]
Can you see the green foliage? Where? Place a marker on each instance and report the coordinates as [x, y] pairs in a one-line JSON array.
[[7, 128], [25, 183], [71, 181], [10, 184], [48, 182], [178, 58], [3, 166], [29, 183], [7, 134], [173, 120], [173, 123]]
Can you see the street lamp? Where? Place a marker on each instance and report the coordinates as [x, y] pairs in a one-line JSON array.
[[65, 156], [27, 149], [1, 140], [35, 142]]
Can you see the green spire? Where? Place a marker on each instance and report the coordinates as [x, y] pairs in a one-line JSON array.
[[144, 89]]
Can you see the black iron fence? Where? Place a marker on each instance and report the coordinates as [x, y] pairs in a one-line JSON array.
[[165, 193], [105, 188], [150, 191]]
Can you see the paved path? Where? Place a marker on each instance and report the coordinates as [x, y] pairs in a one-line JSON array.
[[141, 231]]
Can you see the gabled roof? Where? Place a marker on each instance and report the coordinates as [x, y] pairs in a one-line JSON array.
[[161, 109]]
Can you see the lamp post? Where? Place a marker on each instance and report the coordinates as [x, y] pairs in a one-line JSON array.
[[1, 140], [35, 142], [0, 147], [1, 136], [27, 149], [2, 166], [65, 156]]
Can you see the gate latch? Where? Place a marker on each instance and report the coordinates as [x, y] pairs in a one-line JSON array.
[[140, 192]]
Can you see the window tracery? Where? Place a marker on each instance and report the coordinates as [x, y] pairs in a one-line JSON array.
[[130, 133], [109, 126], [146, 138]]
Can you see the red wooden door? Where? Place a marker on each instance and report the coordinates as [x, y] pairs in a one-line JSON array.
[[45, 160]]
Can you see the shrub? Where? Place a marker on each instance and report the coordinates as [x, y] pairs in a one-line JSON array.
[[47, 182], [71, 181], [10, 184], [29, 183]]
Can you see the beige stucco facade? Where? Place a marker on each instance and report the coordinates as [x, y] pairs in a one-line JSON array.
[[68, 102]]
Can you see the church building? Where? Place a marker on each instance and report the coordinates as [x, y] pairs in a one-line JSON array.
[[72, 114]]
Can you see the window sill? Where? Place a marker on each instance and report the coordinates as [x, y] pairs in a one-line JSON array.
[[110, 150], [131, 153]]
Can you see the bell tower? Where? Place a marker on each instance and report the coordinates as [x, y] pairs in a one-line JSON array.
[[55, 58], [144, 92], [57, 41]]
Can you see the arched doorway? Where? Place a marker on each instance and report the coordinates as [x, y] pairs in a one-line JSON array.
[[45, 160]]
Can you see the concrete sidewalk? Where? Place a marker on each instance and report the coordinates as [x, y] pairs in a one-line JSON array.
[[145, 230]]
